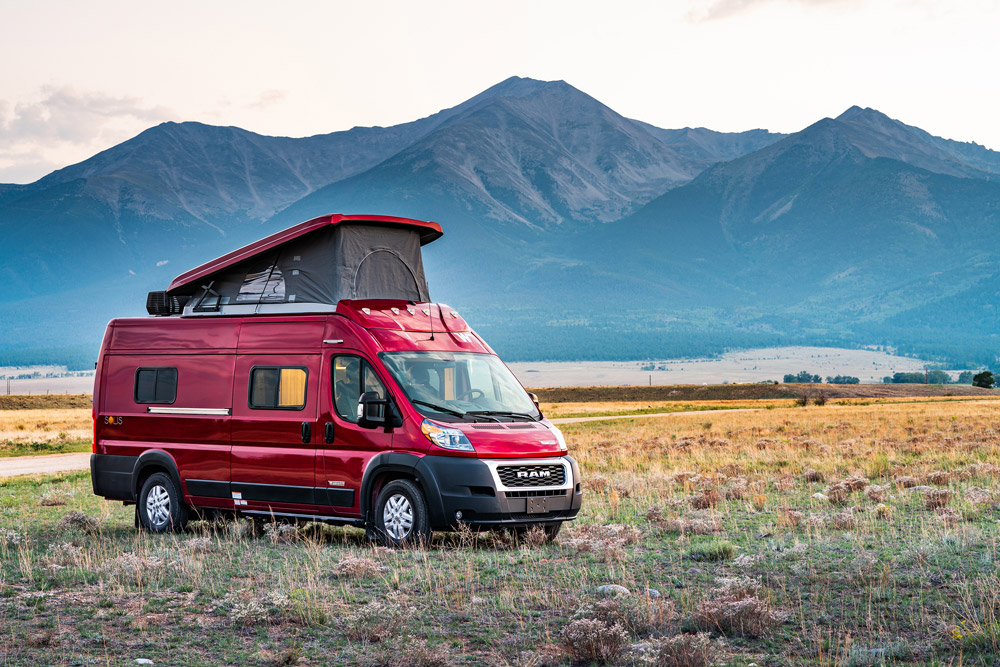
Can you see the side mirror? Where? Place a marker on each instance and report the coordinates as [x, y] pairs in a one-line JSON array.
[[372, 410], [534, 399]]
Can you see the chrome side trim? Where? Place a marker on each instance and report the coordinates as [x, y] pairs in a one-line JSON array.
[[263, 309], [219, 412], [333, 341], [492, 464]]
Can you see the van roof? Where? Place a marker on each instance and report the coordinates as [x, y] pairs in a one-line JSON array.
[[428, 231]]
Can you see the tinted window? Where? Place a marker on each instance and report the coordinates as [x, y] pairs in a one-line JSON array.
[[353, 376], [156, 385], [465, 383], [278, 387]]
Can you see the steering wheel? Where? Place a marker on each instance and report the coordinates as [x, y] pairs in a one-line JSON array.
[[471, 395]]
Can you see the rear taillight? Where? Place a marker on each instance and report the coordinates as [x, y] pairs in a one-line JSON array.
[[93, 445]]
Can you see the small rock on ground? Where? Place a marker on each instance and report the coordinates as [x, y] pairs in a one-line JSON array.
[[612, 589]]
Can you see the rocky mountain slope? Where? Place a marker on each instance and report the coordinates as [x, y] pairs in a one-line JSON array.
[[562, 218]]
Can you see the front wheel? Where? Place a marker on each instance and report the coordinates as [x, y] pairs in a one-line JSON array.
[[160, 505], [401, 515]]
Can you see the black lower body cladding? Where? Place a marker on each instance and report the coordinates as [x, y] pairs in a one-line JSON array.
[[467, 485], [111, 476]]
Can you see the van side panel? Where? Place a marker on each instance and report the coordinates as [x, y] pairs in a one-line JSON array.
[[199, 444], [273, 464]]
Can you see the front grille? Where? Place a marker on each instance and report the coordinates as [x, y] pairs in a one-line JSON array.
[[536, 493], [532, 475]]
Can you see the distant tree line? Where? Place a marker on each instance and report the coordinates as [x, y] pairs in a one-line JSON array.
[[803, 377], [983, 379]]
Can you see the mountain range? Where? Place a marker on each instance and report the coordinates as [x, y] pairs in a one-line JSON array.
[[570, 230]]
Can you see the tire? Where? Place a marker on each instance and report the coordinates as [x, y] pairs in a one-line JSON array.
[[401, 517], [160, 506]]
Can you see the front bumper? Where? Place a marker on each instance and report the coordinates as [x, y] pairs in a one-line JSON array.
[[473, 487]]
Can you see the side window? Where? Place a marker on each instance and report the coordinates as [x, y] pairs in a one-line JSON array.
[[353, 376], [155, 385], [277, 387]]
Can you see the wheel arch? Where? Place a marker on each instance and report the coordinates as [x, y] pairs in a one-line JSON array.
[[389, 466], [153, 461]]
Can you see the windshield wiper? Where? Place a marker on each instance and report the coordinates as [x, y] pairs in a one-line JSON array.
[[503, 413], [440, 408]]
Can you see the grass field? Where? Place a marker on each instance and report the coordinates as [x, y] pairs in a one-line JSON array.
[[897, 562], [45, 431]]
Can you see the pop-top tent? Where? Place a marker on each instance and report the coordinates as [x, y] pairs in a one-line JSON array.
[[310, 266]]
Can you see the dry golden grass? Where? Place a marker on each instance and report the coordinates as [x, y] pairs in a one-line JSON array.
[[45, 425], [876, 441], [557, 410], [831, 536]]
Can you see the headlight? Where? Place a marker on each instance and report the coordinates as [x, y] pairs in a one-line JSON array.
[[560, 439], [446, 438]]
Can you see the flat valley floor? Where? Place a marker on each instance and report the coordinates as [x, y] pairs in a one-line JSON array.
[[842, 534]]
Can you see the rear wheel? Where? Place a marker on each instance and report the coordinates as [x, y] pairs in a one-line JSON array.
[[401, 515], [160, 505]]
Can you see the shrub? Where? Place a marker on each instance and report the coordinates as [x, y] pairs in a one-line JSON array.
[[639, 615], [707, 499], [79, 521], [281, 533], [715, 550], [588, 640], [845, 520], [877, 493], [682, 651], [132, 566], [63, 555], [838, 493], [353, 566], [735, 609], [813, 476], [376, 621], [936, 498], [606, 542], [54, 499]]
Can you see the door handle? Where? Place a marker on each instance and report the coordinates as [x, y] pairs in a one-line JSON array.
[[306, 432], [328, 433]]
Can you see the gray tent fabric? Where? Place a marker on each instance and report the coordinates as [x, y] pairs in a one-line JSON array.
[[344, 261]]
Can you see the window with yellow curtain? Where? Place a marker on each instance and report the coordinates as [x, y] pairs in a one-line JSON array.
[[278, 387]]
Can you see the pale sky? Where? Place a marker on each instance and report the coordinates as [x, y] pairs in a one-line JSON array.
[[79, 77]]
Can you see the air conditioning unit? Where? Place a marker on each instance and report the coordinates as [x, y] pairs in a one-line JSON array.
[[159, 303]]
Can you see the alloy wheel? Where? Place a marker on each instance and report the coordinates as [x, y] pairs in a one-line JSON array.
[[158, 505], [397, 517]]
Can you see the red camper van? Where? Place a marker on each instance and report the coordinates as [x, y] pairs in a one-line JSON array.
[[308, 376]]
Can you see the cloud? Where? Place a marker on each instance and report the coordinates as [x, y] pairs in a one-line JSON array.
[[65, 125], [721, 9], [65, 114], [267, 98]]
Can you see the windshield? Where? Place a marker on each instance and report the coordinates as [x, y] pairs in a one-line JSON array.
[[460, 385]]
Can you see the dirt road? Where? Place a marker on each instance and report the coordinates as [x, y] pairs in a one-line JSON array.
[[47, 464]]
